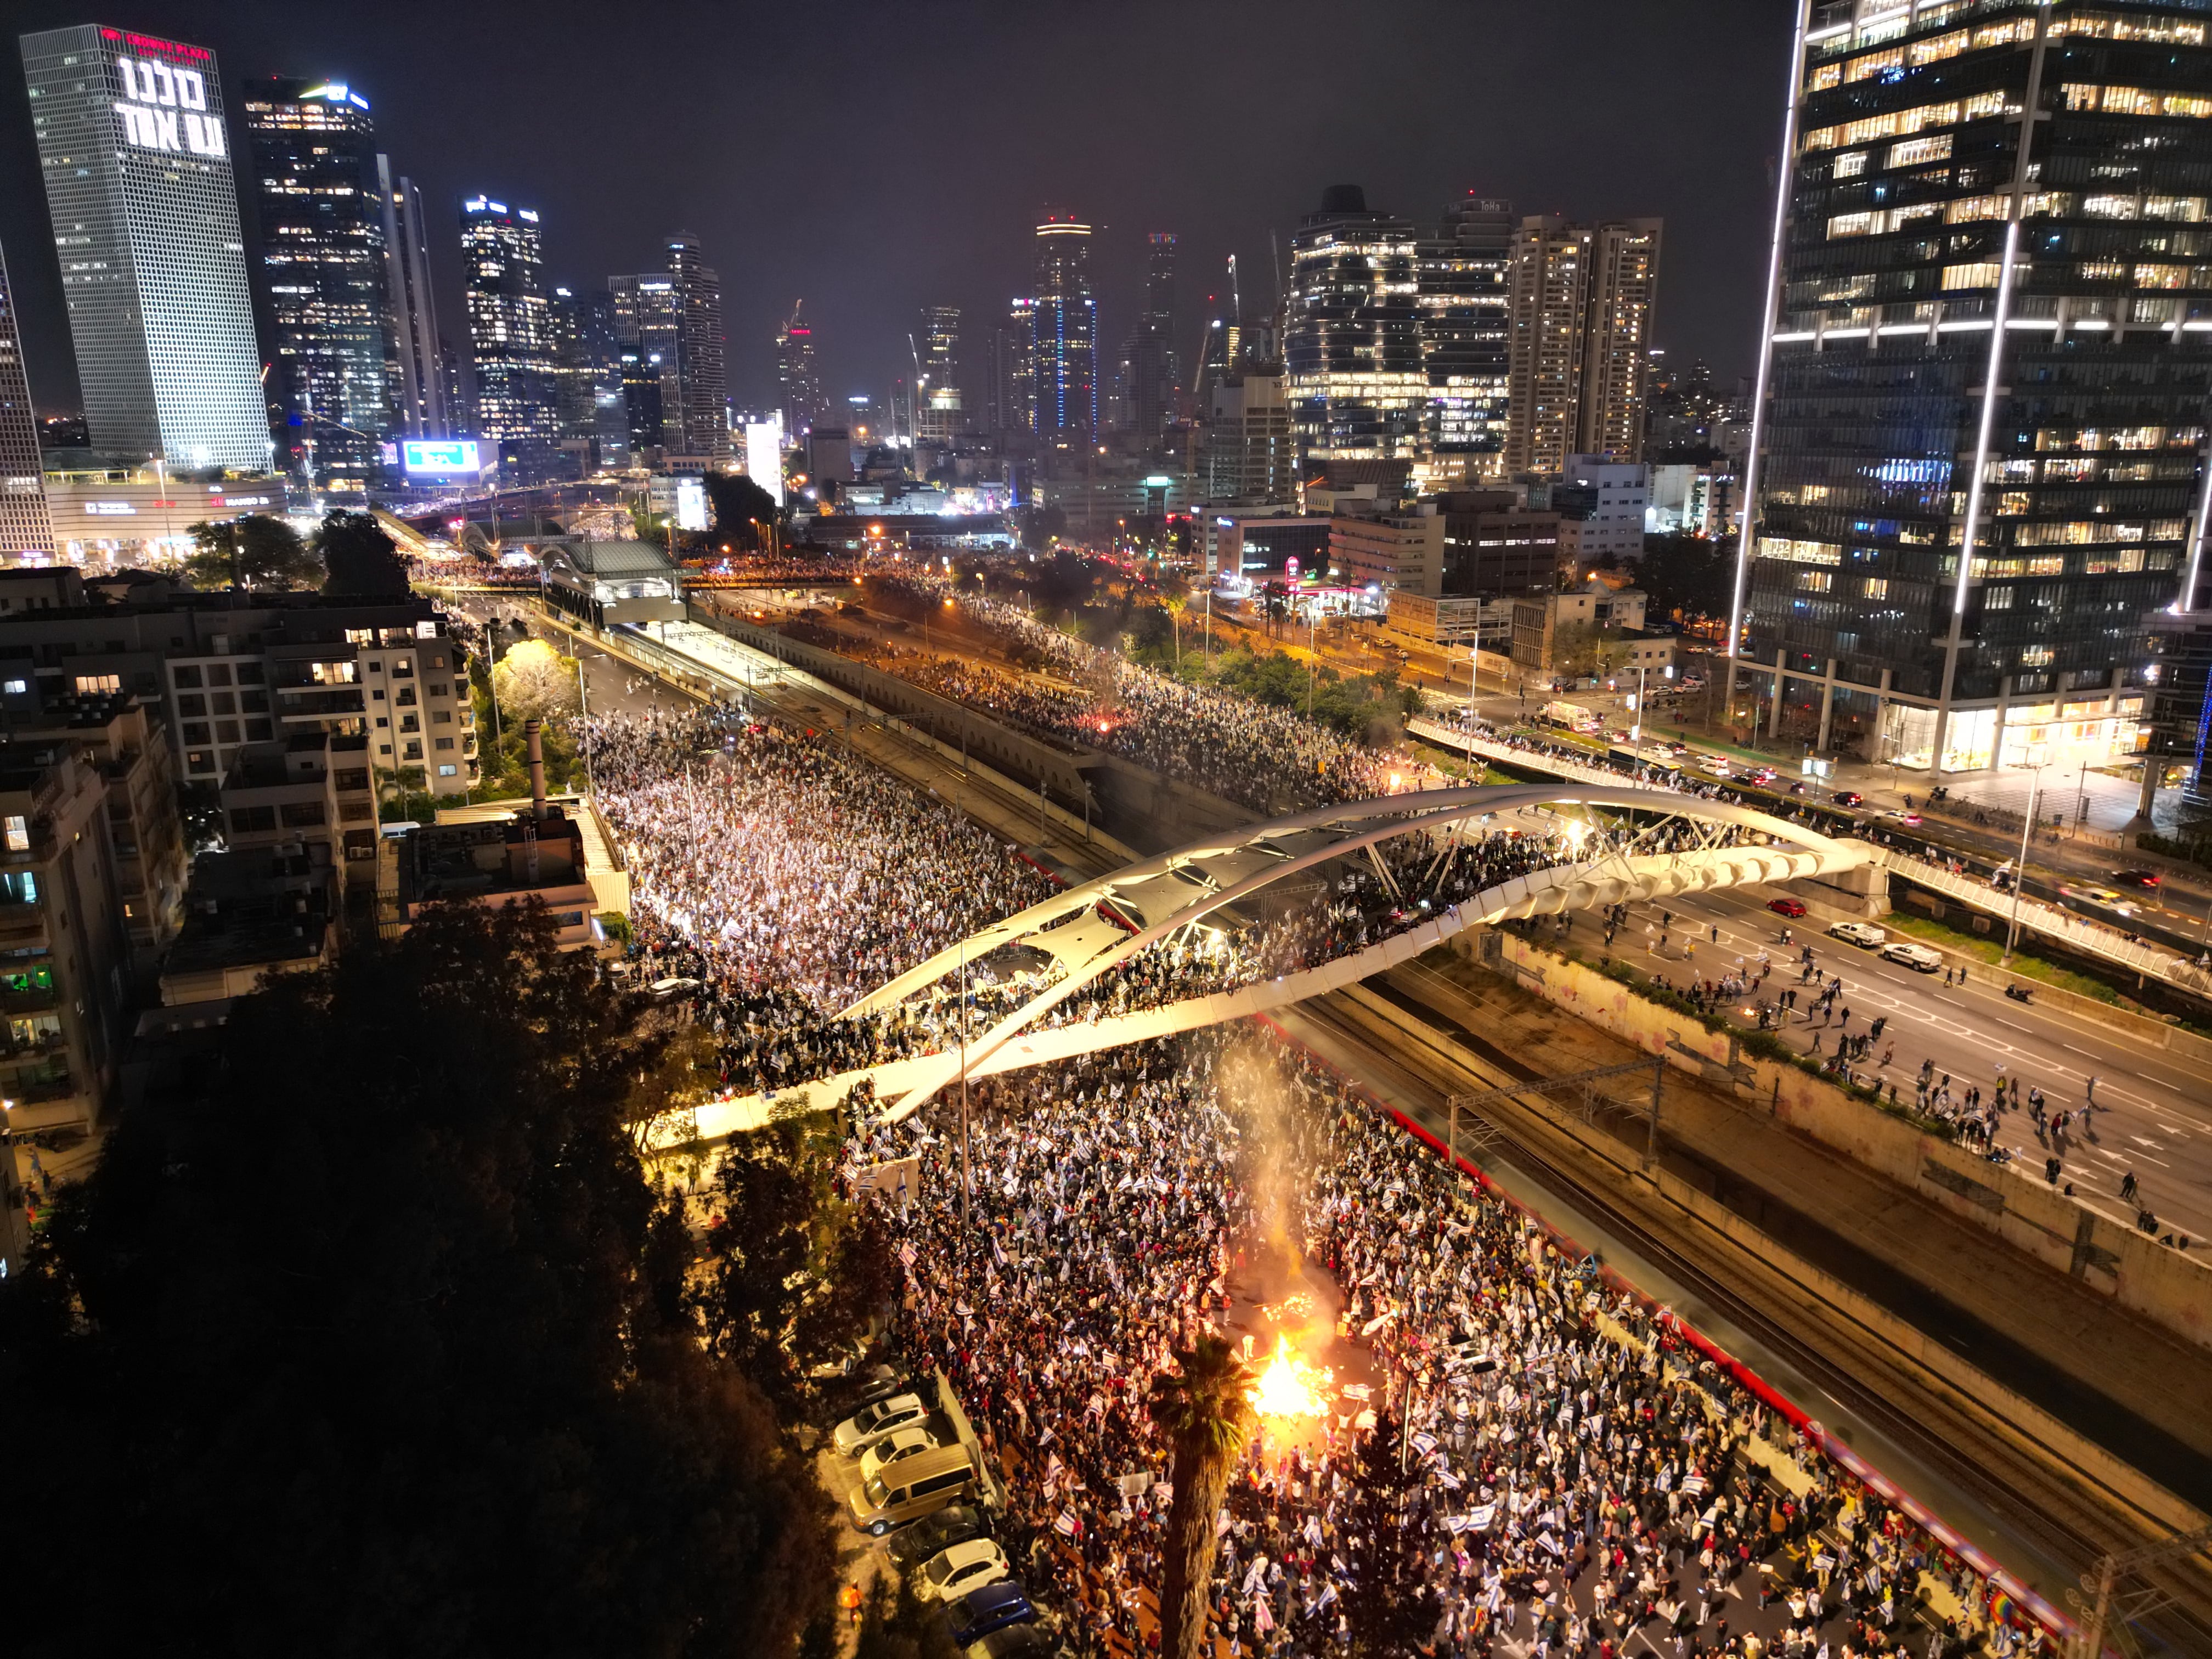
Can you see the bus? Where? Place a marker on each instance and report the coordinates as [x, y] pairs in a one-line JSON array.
[[1571, 715]]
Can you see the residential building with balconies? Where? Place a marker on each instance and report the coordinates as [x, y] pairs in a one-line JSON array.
[[228, 669], [64, 951]]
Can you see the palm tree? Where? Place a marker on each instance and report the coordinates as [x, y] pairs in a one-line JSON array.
[[1205, 1413], [1175, 603]]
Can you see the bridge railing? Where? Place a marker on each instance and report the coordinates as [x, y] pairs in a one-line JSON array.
[[2077, 931]]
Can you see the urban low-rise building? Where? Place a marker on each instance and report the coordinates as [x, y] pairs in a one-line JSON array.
[[232, 669]]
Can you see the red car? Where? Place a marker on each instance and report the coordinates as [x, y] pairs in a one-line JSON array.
[[1785, 907]]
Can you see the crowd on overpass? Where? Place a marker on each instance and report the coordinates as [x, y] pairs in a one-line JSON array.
[[1537, 1460]]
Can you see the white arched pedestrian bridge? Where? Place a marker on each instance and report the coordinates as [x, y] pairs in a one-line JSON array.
[[1646, 844]]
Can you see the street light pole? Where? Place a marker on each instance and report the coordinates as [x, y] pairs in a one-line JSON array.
[[2019, 874]]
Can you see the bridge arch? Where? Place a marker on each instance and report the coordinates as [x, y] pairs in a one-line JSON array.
[[1092, 930]]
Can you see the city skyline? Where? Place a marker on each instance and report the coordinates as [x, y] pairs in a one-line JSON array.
[[1206, 179]]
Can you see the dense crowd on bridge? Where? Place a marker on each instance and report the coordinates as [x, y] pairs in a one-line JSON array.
[[1571, 1475]]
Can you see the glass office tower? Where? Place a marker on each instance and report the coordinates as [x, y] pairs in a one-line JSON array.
[[25, 526], [1466, 270], [326, 264], [1064, 357], [1351, 339], [137, 162], [1978, 458], [511, 335]]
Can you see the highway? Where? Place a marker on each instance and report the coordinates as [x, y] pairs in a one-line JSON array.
[[2153, 1110]]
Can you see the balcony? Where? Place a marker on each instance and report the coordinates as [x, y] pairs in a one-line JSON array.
[[324, 704]]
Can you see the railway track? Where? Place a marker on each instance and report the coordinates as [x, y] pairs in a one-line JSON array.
[[2044, 1501]]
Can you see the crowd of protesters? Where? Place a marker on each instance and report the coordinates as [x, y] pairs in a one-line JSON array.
[[1538, 1463]]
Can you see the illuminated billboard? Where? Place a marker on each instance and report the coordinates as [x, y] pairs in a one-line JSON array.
[[764, 454], [690, 504], [434, 456]]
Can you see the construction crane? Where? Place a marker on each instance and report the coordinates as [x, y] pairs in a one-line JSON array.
[[2108, 1610]]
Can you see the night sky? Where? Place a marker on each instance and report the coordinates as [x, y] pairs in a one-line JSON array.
[[874, 158]]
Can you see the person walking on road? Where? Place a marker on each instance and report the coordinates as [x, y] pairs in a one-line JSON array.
[[2128, 1185]]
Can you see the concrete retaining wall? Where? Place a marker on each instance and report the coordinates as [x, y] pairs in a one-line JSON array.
[[2143, 1276]]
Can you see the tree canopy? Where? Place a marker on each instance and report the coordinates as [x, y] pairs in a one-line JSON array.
[[364, 1339], [360, 556], [742, 508], [252, 550], [532, 681], [1686, 577]]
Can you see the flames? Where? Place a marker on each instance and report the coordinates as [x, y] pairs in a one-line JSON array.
[[1288, 1387]]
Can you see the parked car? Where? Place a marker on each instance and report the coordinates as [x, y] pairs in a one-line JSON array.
[[1786, 907], [1015, 1642], [952, 1573], [1847, 797], [992, 1606], [913, 1487], [1865, 935], [864, 1428], [898, 1444], [2137, 878], [941, 1531], [1918, 957]]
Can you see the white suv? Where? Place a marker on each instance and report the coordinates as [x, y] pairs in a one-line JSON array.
[[1865, 935], [1918, 957]]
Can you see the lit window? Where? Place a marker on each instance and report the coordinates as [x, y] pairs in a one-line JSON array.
[[19, 833]]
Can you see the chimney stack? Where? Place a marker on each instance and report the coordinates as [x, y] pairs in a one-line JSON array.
[[534, 742]]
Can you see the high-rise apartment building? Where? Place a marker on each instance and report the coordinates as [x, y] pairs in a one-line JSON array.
[[1465, 295], [136, 157], [419, 397], [1249, 452], [510, 334], [1978, 463], [1351, 341], [940, 416], [1150, 368], [1013, 376], [700, 410], [26, 524], [1580, 349], [326, 270], [1063, 358], [798, 382]]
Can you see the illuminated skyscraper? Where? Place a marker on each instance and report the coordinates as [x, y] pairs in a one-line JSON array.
[[1064, 360], [1353, 339], [1465, 270], [511, 334], [26, 527], [797, 380], [1151, 366], [1012, 411], [419, 396], [1581, 341], [137, 163], [700, 410], [1978, 460], [327, 270], [940, 416]]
